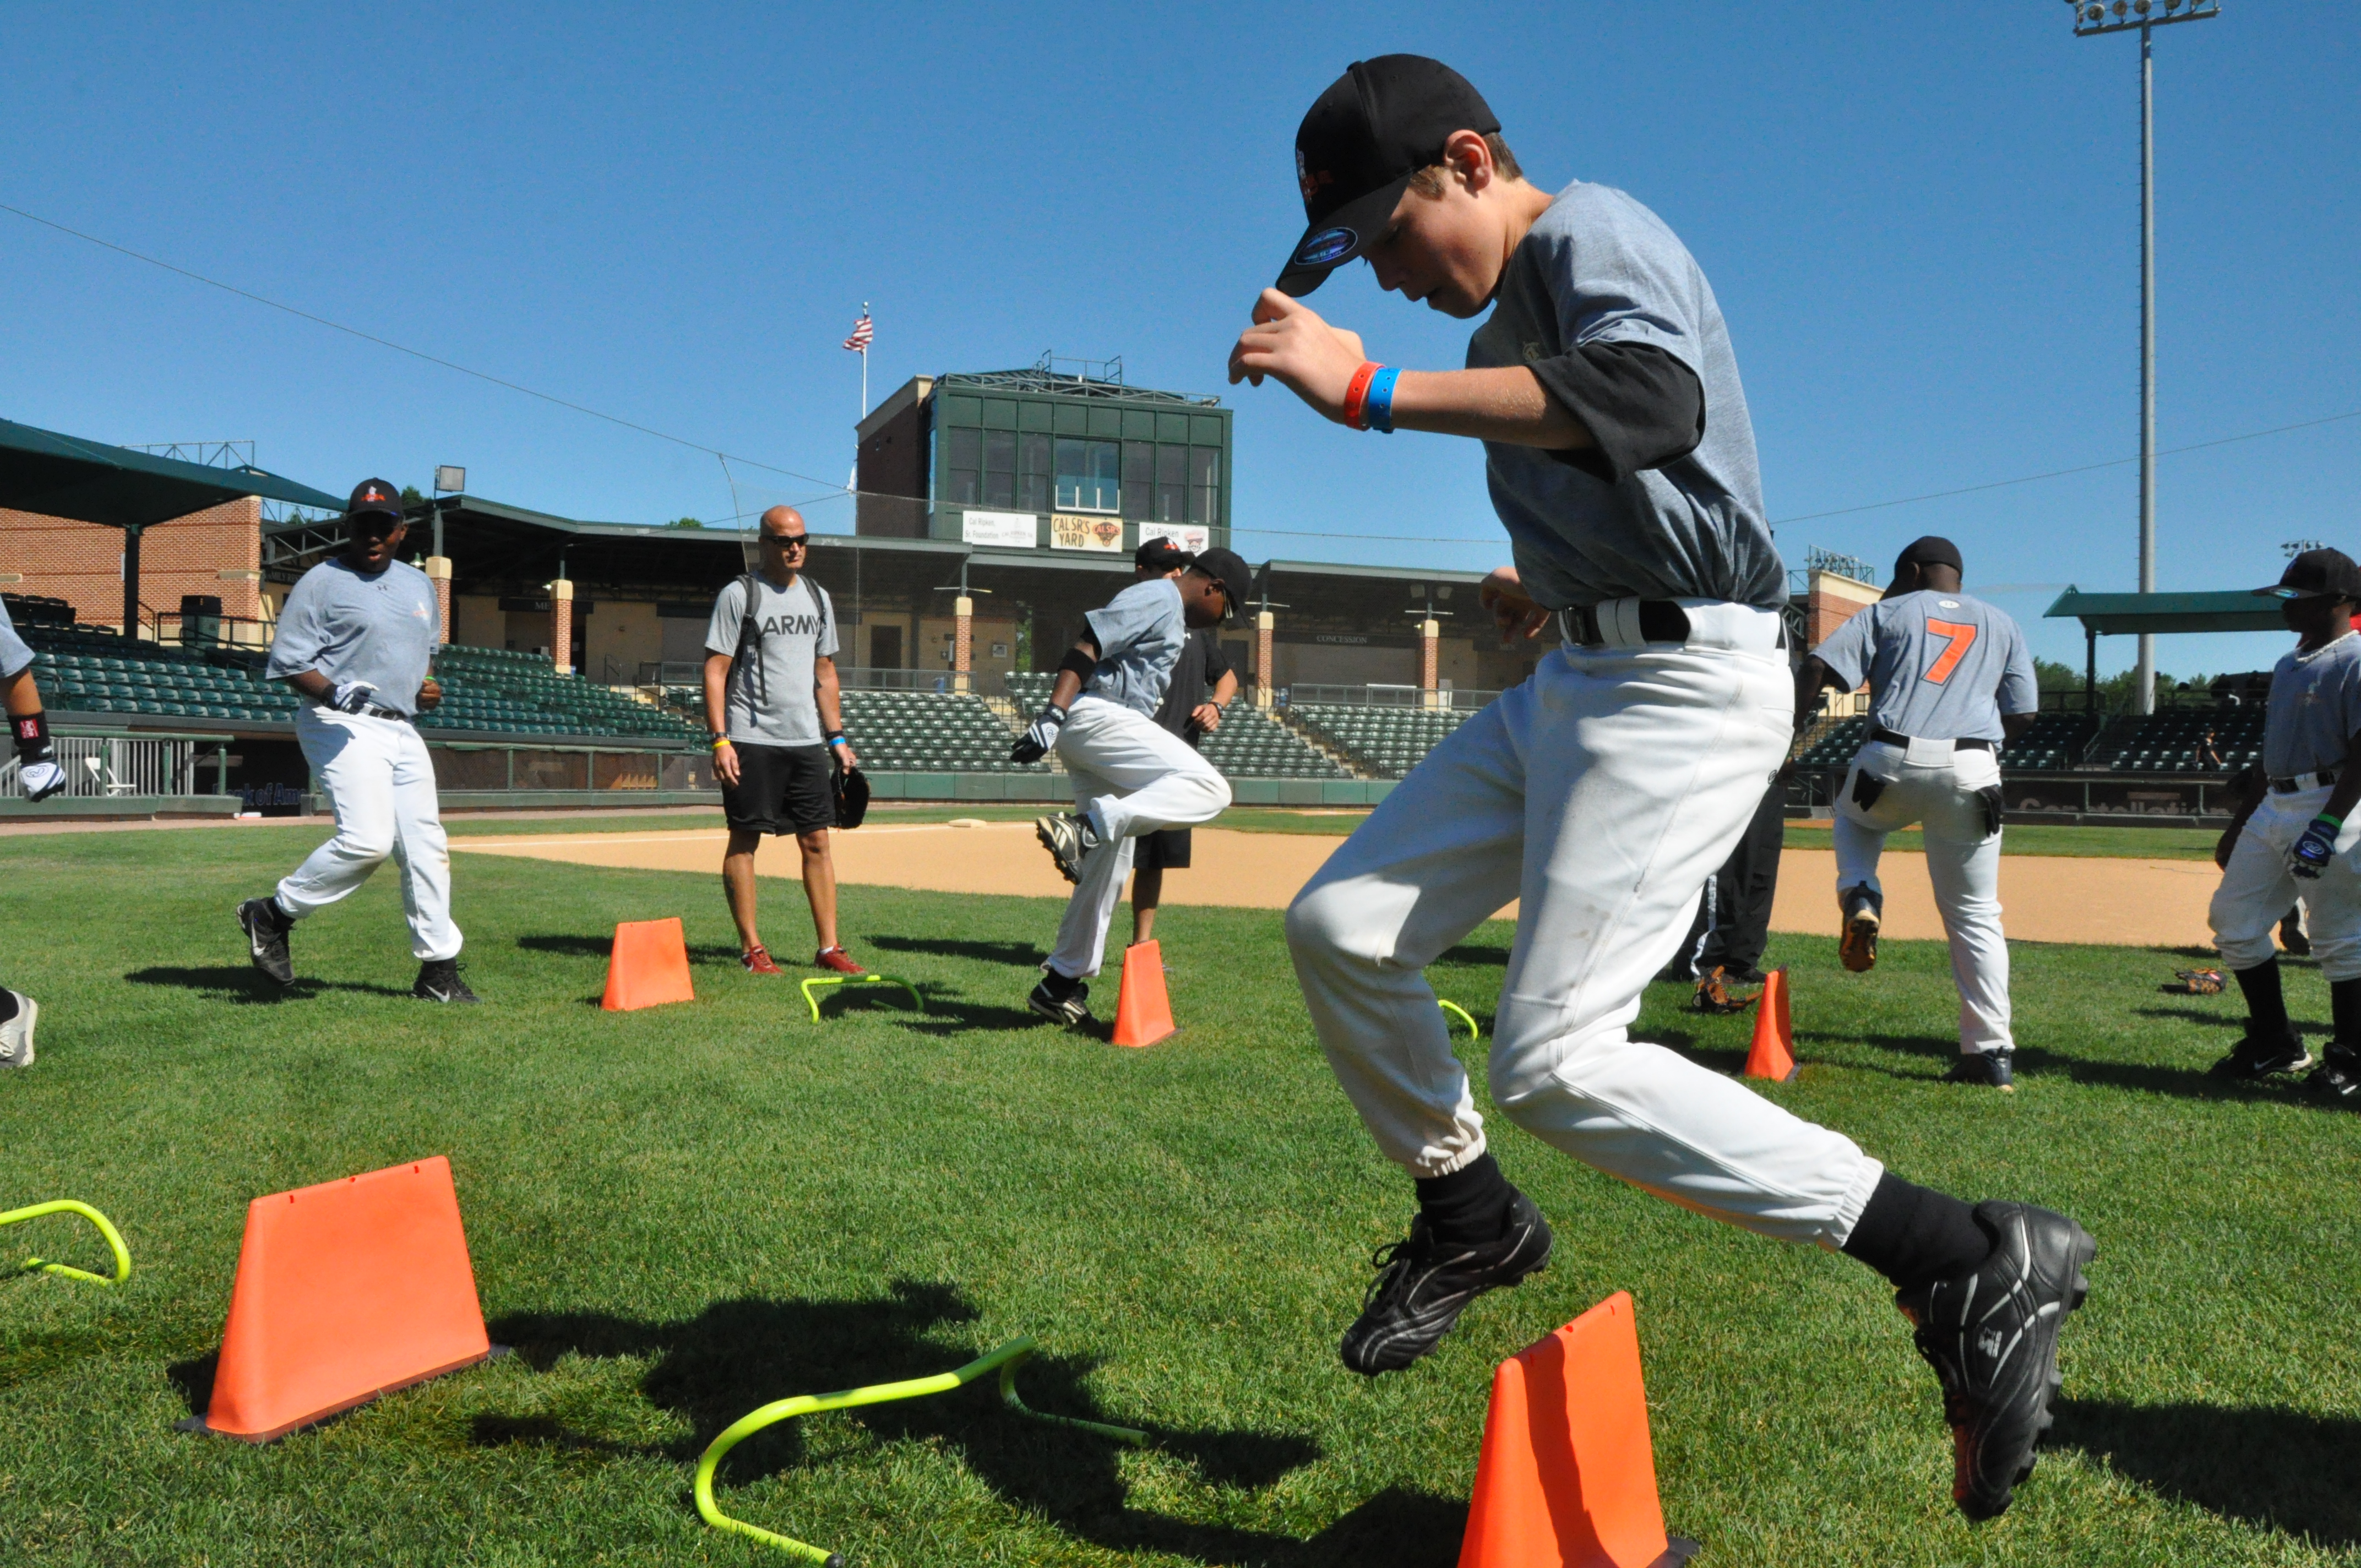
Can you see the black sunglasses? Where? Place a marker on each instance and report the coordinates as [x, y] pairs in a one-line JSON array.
[[784, 540]]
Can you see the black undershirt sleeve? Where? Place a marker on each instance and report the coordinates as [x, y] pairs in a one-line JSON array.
[[1217, 664], [1642, 407]]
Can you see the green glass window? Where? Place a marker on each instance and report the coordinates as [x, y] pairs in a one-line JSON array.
[[1000, 468], [1171, 489], [1033, 472], [963, 466], [1205, 486], [1088, 477]]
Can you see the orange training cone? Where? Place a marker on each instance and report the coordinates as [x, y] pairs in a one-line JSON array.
[[648, 967], [1142, 1013], [345, 1291], [1567, 1478], [1773, 1054]]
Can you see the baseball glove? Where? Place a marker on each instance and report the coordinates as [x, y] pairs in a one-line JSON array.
[[851, 792], [2200, 981], [1713, 996]]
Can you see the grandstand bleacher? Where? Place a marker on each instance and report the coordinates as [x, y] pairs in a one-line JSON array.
[[2173, 740], [928, 732], [1250, 744], [1388, 741], [506, 692], [2056, 741]]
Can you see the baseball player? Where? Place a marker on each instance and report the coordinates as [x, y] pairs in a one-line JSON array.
[[1188, 712], [769, 670], [1950, 680], [39, 774], [1130, 776], [1605, 789], [2297, 832], [355, 638]]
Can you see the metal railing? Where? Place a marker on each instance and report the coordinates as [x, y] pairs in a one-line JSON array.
[[98, 769], [1451, 697]]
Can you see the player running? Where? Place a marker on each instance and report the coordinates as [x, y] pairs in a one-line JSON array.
[[769, 670], [1190, 711], [1603, 791], [1950, 681], [357, 638], [2296, 832], [39, 776], [1130, 776]]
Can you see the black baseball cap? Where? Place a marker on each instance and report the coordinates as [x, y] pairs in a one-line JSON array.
[[1224, 568], [1378, 124], [2317, 574], [374, 498], [1160, 555], [1932, 550]]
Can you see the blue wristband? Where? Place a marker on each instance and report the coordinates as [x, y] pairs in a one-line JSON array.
[[1378, 402]]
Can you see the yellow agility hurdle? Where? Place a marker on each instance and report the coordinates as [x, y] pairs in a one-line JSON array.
[[106, 1228]]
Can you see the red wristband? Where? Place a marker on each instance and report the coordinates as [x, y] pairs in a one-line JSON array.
[[1358, 389]]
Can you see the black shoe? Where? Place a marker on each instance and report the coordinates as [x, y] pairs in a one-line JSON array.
[[1069, 1006], [1991, 1334], [438, 980], [266, 937], [1744, 974], [2252, 1059], [1422, 1285], [2337, 1079], [1989, 1069], [1068, 837]]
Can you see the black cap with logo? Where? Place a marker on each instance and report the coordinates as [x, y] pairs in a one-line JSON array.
[[374, 498], [1380, 123], [1932, 550], [2318, 574], [1227, 568], [1160, 555]]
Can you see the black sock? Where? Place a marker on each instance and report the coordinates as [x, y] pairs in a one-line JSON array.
[[2267, 1018], [1058, 986], [1471, 1204], [8, 1004], [1912, 1234], [2345, 1001]]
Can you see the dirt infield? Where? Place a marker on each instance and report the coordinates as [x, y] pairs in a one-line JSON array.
[[2123, 903]]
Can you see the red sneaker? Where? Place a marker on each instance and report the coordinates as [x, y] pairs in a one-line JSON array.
[[837, 959], [758, 961]]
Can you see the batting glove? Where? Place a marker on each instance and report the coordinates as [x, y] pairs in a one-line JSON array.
[[1035, 743], [36, 756], [353, 696], [2315, 849], [41, 780]]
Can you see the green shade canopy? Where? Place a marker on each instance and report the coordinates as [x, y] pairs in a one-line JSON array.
[[65, 476], [2111, 615]]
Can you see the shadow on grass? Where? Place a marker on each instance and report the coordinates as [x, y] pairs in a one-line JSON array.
[[242, 983], [604, 947], [1020, 955], [1476, 953], [739, 1354], [2145, 1077], [2271, 1467]]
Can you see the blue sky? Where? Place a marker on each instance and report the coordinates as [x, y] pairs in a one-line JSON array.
[[1921, 222]]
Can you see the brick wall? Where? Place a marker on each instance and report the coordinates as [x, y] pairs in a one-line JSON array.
[[217, 551], [1833, 600]]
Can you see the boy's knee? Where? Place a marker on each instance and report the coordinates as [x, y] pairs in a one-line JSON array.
[[1319, 921]]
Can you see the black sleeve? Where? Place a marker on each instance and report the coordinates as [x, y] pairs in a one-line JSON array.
[[1642, 407], [1217, 664]]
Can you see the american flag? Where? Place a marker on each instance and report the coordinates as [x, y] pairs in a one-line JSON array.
[[861, 333]]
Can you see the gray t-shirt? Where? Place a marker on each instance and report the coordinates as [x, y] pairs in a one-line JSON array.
[[2315, 709], [350, 626], [14, 656], [1600, 268], [1139, 632], [770, 698], [1939, 666]]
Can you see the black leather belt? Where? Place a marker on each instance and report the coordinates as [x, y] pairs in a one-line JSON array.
[[2319, 780], [1895, 738], [1661, 620], [370, 711]]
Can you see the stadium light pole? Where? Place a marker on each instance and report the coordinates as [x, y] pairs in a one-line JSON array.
[[2092, 17]]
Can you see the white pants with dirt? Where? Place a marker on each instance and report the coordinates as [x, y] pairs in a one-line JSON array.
[[1934, 784], [380, 783], [2257, 889], [1601, 794], [1131, 776]]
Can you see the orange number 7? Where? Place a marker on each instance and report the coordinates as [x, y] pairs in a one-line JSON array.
[[1961, 639]]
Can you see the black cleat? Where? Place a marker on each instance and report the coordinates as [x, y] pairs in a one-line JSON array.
[[438, 980], [1070, 1006], [1068, 837], [1422, 1285], [2337, 1079], [1988, 1070], [1991, 1334], [266, 937], [2252, 1059], [1857, 948]]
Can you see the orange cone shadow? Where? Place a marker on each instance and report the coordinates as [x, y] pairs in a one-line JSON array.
[[345, 1291], [1773, 1053], [1143, 1013], [648, 967], [1567, 1478]]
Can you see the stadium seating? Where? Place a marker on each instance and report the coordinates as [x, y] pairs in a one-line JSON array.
[[2056, 740], [1388, 741], [1250, 744], [928, 732], [2173, 740], [503, 691]]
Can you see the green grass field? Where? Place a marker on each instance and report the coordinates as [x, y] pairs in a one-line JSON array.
[[679, 1214]]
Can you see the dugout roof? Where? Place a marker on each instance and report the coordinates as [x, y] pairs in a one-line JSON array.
[[64, 476], [2114, 615]]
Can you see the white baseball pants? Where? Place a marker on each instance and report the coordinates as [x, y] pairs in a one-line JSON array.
[[2257, 889], [380, 781], [1601, 794], [1934, 784], [1131, 776]]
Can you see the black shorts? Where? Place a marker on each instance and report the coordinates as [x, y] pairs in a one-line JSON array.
[[1167, 848], [781, 789]]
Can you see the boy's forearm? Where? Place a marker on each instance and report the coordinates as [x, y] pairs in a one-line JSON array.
[[1508, 405], [22, 696]]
